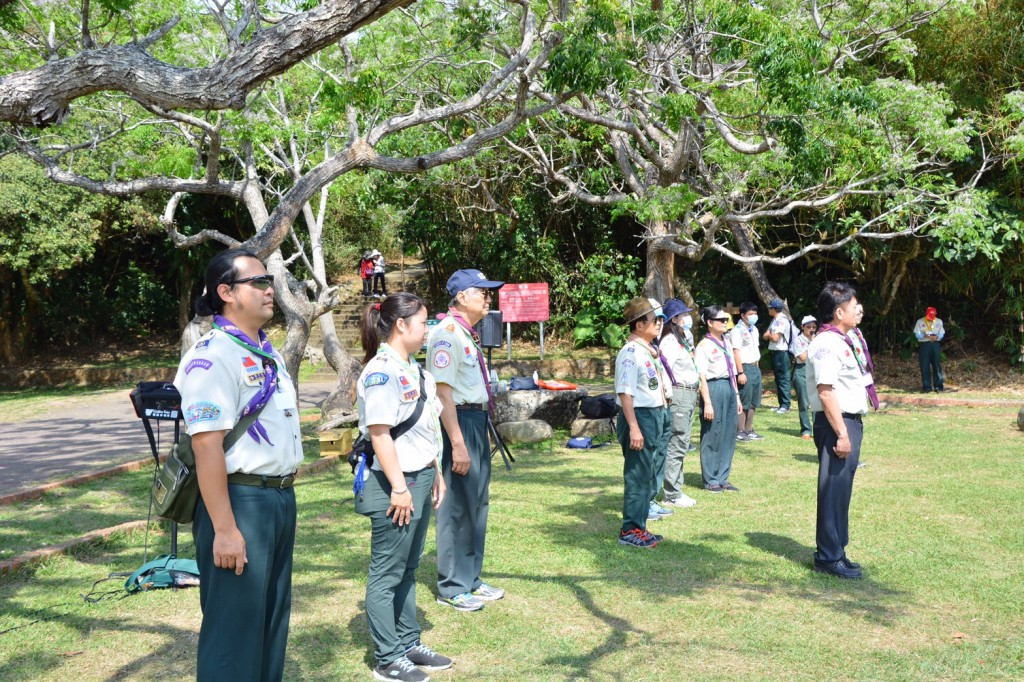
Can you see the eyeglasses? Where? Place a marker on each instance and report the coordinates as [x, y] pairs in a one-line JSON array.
[[261, 282], [719, 319], [486, 293]]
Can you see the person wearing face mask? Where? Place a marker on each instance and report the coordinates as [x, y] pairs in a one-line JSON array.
[[929, 332], [644, 422], [801, 342], [747, 354], [677, 355]]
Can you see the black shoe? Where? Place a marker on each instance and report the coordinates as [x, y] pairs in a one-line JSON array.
[[730, 487], [402, 670], [713, 488], [838, 569], [850, 564], [423, 656]]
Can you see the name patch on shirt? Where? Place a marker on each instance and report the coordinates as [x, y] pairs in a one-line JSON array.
[[198, 363], [201, 412], [375, 379], [442, 359]]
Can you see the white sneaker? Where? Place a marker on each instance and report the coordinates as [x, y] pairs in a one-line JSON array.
[[682, 501]]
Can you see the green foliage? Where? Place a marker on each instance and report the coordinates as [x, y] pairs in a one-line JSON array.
[[594, 52], [609, 280]]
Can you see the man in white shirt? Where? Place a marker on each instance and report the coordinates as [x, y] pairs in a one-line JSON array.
[[929, 333], [839, 400], [747, 353], [779, 336]]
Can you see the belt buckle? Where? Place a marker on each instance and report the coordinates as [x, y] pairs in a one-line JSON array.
[[289, 480]]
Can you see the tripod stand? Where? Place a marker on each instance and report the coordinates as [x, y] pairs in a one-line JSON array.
[[158, 401]]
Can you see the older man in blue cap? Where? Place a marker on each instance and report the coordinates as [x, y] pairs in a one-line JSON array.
[[456, 361], [779, 336]]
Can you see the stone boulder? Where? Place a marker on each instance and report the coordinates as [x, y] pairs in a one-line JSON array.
[[557, 408], [526, 431], [595, 428]]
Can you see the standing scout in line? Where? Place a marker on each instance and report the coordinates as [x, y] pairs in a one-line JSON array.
[[747, 355], [455, 359], [398, 411], [801, 342], [677, 353], [644, 423], [247, 504], [779, 336], [720, 408]]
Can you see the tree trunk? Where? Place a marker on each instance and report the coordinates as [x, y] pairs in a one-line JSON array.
[[754, 269], [333, 350], [660, 264]]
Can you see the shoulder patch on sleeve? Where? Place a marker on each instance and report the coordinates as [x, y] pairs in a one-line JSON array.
[[201, 412], [198, 363], [442, 359], [822, 352], [375, 379], [441, 343]]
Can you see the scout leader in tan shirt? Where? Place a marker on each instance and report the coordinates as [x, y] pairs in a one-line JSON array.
[[457, 363]]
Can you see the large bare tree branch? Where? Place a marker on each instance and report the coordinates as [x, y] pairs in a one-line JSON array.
[[41, 96]]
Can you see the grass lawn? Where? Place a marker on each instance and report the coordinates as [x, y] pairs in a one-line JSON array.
[[936, 521]]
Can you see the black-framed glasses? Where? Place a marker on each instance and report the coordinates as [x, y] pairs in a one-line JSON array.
[[486, 293], [720, 319], [261, 282]]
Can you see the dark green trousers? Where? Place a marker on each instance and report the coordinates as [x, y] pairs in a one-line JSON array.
[[780, 366], [640, 468], [245, 617], [718, 436], [803, 401], [395, 553], [462, 518], [750, 392], [929, 354]]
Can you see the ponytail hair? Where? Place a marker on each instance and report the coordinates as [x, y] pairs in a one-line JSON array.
[[220, 270], [379, 319]]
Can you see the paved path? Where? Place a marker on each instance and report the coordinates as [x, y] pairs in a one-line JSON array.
[[78, 435]]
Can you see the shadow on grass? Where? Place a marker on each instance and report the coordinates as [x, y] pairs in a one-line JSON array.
[[804, 457], [866, 598]]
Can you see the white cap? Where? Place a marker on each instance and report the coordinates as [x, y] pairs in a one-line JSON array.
[[807, 320], [658, 312]]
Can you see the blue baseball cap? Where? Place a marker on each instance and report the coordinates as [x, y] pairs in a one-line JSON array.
[[674, 306], [776, 304], [467, 279]]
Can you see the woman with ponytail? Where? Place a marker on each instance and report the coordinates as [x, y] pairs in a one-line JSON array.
[[402, 481]]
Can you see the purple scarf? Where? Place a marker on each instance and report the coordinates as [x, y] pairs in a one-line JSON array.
[[452, 313], [867, 367], [265, 351], [728, 360]]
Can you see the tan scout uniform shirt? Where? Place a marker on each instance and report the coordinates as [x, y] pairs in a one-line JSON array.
[[830, 361], [638, 372], [453, 359]]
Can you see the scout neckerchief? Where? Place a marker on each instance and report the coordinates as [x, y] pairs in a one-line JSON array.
[[928, 325], [416, 370], [482, 364], [265, 351], [656, 359], [728, 360], [866, 366]]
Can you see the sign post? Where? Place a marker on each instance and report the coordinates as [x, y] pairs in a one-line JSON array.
[[524, 303]]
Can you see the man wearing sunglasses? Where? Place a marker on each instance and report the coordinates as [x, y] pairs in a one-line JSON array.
[[247, 505]]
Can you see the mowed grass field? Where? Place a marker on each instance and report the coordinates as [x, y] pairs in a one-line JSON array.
[[936, 521]]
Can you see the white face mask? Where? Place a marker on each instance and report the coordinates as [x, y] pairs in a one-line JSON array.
[[752, 320], [687, 322]]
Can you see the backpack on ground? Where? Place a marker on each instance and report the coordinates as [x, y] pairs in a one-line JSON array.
[[599, 407], [165, 571]]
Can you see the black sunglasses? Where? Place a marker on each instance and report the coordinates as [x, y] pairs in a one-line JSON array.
[[719, 319], [261, 282]]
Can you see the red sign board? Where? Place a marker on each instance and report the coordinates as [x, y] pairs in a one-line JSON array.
[[524, 302]]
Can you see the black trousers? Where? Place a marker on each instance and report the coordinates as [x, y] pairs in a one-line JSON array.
[[379, 284], [835, 487]]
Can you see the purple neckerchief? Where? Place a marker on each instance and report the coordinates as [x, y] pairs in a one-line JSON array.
[[728, 360], [454, 314], [664, 363], [872, 394], [266, 353]]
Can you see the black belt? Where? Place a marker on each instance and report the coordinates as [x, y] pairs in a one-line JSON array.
[[719, 379], [263, 481], [472, 407], [854, 417], [800, 364]]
